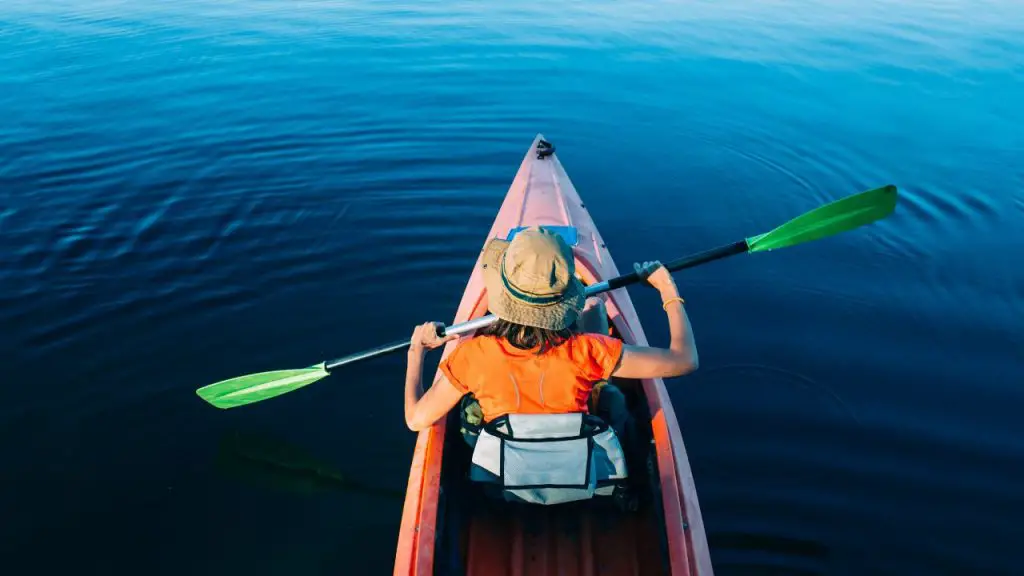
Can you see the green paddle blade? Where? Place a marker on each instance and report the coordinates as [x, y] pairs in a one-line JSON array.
[[255, 387], [839, 216]]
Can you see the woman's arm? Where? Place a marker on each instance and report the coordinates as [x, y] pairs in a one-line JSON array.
[[422, 410], [681, 356]]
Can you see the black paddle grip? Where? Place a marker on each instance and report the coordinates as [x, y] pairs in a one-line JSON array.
[[683, 263]]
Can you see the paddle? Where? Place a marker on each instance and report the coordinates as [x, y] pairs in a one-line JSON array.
[[839, 216]]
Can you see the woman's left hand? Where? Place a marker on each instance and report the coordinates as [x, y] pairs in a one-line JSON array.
[[425, 337]]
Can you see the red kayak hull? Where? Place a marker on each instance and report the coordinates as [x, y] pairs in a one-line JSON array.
[[559, 539]]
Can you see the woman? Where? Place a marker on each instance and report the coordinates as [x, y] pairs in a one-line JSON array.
[[549, 347]]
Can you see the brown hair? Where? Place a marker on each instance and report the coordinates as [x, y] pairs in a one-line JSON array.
[[528, 337]]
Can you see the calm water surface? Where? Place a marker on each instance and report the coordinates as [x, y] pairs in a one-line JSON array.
[[193, 190]]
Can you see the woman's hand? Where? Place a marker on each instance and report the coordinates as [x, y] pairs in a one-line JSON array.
[[425, 337], [656, 275]]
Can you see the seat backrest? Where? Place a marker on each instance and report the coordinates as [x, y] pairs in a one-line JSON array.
[[549, 458]]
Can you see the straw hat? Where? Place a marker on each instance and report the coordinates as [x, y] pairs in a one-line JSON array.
[[532, 280]]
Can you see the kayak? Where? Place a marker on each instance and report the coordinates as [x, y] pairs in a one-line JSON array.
[[447, 527]]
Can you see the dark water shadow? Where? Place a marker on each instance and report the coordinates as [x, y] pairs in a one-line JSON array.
[[259, 459]]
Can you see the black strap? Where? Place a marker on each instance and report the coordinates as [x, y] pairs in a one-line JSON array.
[[590, 426]]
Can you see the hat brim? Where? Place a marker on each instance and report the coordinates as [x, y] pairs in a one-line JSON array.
[[557, 316]]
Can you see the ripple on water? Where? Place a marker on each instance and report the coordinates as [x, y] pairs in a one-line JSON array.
[[781, 477], [933, 225], [937, 207], [759, 155], [774, 380]]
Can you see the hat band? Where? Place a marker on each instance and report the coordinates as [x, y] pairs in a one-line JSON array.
[[529, 299]]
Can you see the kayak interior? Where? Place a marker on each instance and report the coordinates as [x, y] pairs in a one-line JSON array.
[[449, 526]]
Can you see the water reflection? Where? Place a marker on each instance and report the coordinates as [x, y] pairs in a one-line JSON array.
[[265, 461]]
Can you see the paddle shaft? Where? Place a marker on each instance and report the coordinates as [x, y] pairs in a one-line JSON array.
[[606, 286], [833, 218]]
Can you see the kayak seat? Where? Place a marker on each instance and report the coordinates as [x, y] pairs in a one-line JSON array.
[[548, 458]]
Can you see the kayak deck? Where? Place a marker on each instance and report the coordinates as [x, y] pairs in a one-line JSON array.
[[448, 526]]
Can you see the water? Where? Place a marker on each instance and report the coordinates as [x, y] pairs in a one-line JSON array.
[[194, 190]]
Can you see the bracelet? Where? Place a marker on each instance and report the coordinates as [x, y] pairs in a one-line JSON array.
[[664, 305]]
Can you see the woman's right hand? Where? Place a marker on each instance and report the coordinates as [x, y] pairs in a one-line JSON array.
[[656, 275]]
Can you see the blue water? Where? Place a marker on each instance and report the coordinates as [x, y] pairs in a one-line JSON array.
[[193, 190]]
